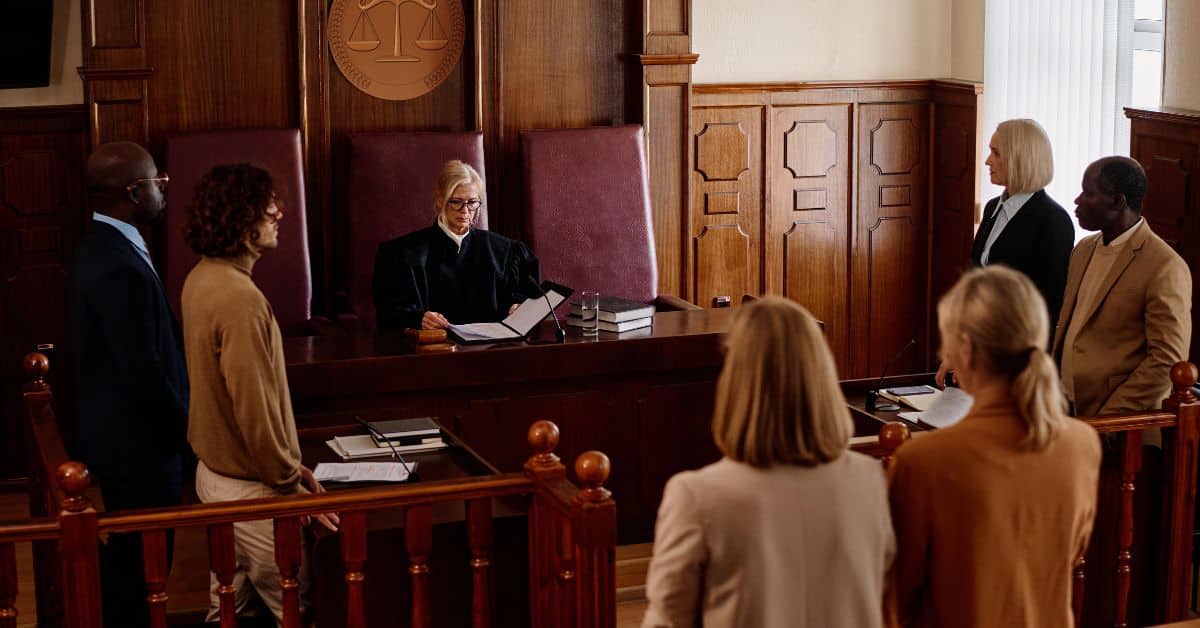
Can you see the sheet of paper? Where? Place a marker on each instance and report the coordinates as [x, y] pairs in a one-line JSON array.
[[948, 408], [483, 331], [532, 311], [362, 471]]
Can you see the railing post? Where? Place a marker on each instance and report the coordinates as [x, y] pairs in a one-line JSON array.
[[47, 592], [891, 436], [544, 466], [594, 524], [1179, 494], [79, 556]]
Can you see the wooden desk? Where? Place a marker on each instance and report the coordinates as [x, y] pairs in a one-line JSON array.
[[645, 398]]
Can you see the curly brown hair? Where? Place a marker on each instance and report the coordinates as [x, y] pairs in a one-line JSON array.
[[229, 203]]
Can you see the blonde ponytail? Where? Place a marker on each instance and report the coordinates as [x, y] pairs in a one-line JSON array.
[[1004, 316], [1039, 399]]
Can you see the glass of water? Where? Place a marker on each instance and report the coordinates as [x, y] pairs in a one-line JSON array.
[[589, 312]]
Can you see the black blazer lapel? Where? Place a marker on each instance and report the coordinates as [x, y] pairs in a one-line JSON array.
[[985, 229]]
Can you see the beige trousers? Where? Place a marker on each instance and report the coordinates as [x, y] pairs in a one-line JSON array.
[[257, 575]]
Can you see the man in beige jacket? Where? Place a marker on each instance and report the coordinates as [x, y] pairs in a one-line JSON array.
[[1126, 314]]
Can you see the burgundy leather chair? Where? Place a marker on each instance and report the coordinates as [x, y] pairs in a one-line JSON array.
[[587, 211], [283, 275], [393, 177]]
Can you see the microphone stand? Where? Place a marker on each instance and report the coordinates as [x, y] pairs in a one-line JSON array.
[[873, 394], [560, 335], [381, 437]]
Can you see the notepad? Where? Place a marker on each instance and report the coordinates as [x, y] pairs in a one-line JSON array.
[[362, 471], [949, 407]]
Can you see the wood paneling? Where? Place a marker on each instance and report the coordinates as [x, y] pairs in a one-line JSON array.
[[42, 215], [1167, 144], [844, 203], [727, 192]]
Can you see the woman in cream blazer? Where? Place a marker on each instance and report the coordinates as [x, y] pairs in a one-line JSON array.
[[789, 529], [992, 512]]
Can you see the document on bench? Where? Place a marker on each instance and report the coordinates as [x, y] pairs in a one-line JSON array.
[[518, 324], [949, 407], [362, 471]]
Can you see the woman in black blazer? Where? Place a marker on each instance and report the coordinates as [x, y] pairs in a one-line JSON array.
[[1024, 228]]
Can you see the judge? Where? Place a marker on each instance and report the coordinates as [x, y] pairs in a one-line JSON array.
[[450, 272]]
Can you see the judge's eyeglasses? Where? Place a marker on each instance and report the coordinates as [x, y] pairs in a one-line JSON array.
[[458, 203]]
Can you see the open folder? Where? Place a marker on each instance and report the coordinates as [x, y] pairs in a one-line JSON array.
[[518, 324]]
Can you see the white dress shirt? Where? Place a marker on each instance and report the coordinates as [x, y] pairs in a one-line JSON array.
[[1004, 213], [458, 239], [131, 233]]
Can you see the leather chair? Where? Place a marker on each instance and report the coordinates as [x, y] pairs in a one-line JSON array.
[[587, 211], [283, 275], [392, 180]]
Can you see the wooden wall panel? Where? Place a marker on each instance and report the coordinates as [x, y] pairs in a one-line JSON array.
[[727, 193], [42, 216], [806, 247], [890, 267], [1167, 144]]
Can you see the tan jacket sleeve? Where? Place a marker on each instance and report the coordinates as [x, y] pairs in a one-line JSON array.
[[246, 365], [673, 584], [1168, 335]]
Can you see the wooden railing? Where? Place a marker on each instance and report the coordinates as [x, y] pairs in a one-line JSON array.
[[572, 536], [1179, 421]]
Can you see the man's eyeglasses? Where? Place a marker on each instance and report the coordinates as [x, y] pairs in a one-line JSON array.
[[161, 181], [458, 203]]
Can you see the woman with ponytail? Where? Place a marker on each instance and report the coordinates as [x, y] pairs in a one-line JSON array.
[[991, 513]]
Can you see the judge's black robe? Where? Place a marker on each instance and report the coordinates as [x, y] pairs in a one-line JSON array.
[[426, 271]]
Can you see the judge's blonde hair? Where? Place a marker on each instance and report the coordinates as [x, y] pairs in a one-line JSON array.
[[1028, 158], [454, 174], [778, 399], [1004, 316]]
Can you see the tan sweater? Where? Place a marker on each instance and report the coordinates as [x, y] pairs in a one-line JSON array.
[[240, 418], [987, 532]]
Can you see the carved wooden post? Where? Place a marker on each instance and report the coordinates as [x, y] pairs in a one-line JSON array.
[[46, 588], [354, 555], [1180, 447], [594, 523], [891, 436], [1131, 463], [288, 549], [479, 536], [8, 585], [418, 541], [154, 566], [78, 552], [222, 560], [543, 466]]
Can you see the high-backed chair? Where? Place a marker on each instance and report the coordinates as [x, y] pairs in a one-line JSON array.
[[393, 177], [587, 211], [283, 275]]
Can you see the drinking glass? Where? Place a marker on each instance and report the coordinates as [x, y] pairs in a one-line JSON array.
[[589, 312]]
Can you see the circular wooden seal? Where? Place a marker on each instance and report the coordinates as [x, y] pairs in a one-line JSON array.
[[396, 49]]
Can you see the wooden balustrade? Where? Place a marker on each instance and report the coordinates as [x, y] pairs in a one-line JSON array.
[[572, 534]]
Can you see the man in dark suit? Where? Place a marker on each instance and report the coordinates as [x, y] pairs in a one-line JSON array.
[[131, 426]]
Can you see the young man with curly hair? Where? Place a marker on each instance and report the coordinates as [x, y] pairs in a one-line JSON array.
[[241, 427]]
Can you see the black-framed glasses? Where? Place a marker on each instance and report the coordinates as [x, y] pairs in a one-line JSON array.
[[458, 203], [161, 181]]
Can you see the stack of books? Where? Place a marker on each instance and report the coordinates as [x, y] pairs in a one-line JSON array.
[[386, 438], [616, 315]]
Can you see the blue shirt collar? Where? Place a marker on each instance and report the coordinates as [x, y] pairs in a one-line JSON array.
[[129, 231]]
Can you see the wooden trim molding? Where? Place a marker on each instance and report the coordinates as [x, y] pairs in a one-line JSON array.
[[743, 88], [1164, 114], [114, 74], [669, 59]]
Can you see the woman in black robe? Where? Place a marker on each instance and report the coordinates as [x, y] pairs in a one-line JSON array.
[[449, 272]]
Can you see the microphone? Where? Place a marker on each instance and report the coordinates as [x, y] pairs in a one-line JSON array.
[[560, 336], [873, 395], [381, 437]]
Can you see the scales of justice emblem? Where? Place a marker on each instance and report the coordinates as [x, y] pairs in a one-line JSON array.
[[415, 51]]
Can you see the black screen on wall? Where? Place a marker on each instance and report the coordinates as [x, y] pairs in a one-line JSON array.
[[25, 29]]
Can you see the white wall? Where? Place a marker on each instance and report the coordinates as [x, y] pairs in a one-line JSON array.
[[66, 54], [1181, 71], [966, 39], [806, 40]]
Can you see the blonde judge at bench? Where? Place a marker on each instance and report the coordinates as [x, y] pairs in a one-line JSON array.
[[992, 512], [789, 528]]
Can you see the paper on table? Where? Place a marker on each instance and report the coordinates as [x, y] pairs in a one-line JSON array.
[[949, 407], [362, 471]]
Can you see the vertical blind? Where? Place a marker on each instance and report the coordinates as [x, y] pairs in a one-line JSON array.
[[1066, 64]]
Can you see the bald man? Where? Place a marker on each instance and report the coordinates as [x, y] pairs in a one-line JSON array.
[[131, 423]]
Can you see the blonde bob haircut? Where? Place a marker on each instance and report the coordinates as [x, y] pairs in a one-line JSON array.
[[454, 174], [778, 399], [1028, 159], [1004, 316]]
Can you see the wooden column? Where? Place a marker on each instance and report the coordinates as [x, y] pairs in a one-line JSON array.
[[594, 522], [1181, 447], [78, 549], [667, 86], [114, 71]]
